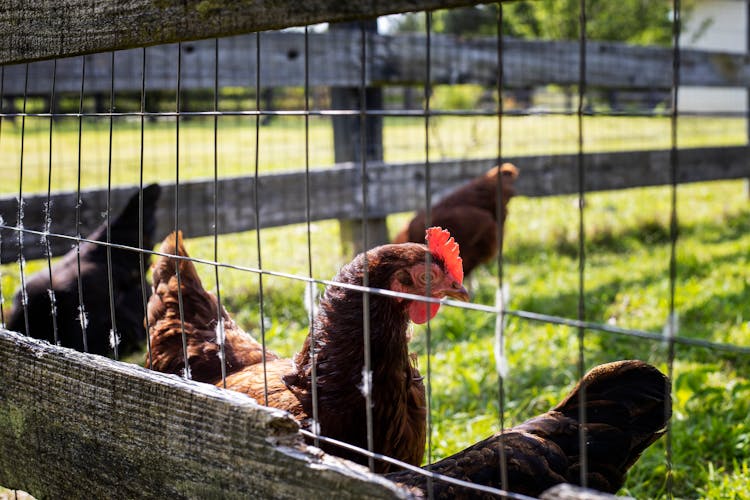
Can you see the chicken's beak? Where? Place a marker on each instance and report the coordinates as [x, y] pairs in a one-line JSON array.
[[457, 292]]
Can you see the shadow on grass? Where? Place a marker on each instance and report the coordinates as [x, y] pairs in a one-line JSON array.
[[609, 238]]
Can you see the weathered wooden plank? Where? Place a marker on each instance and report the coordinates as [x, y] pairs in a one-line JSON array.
[[336, 193], [75, 425], [541, 62], [355, 139], [401, 59], [39, 29]]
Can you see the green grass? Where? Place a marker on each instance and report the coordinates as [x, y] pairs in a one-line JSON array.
[[283, 144], [626, 275], [626, 284]]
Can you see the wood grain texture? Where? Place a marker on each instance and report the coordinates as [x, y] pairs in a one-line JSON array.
[[40, 29], [74, 425], [392, 60], [336, 192]]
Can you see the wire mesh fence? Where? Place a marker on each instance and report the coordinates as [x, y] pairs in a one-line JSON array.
[[241, 132]]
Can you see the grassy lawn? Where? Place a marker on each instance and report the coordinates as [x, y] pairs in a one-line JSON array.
[[626, 274], [283, 144]]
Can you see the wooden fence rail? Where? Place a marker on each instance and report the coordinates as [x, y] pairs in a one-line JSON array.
[[39, 29], [75, 425], [336, 192], [393, 60]]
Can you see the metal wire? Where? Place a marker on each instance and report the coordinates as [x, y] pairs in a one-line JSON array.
[[397, 113], [180, 304], [2, 222], [364, 113], [309, 288], [81, 306], [19, 221], [48, 213], [581, 246], [114, 336], [500, 360], [256, 200], [673, 230], [425, 471], [428, 223], [367, 370], [220, 335], [526, 315], [141, 255]]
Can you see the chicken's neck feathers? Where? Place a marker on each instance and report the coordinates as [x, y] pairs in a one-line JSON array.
[[338, 335]]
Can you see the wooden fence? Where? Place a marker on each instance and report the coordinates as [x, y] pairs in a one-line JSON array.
[[77, 425], [393, 60], [336, 192]]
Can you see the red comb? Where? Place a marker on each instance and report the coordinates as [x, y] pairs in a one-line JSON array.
[[442, 244]]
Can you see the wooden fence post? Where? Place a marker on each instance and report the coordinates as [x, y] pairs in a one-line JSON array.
[[347, 148]]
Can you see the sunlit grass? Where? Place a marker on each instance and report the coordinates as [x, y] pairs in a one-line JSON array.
[[282, 144], [627, 249], [627, 253], [626, 284]]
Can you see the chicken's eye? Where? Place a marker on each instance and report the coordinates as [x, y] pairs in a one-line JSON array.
[[422, 277]]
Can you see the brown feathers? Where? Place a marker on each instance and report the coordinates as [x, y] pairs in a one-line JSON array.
[[470, 214], [397, 392], [627, 408], [201, 318]]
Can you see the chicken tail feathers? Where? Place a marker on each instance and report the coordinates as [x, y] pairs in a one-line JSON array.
[[629, 401], [166, 267], [168, 321], [206, 327], [627, 407]]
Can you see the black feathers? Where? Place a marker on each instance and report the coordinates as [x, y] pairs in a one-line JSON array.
[[627, 407], [126, 286]]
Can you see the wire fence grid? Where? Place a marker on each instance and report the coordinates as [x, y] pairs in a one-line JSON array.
[[190, 136]]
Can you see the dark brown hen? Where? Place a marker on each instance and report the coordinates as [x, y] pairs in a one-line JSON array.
[[627, 407], [398, 398], [470, 214], [95, 289]]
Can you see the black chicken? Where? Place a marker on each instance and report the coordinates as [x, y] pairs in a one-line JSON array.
[[126, 287]]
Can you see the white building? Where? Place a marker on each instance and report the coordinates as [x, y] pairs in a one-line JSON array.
[[719, 25]]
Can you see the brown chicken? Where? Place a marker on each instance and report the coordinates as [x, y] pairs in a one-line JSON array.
[[470, 214], [95, 290], [397, 391], [627, 406]]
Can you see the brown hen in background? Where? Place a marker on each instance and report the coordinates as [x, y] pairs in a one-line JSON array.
[[627, 406], [470, 214], [397, 391]]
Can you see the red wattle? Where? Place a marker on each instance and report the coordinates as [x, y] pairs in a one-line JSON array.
[[418, 311]]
